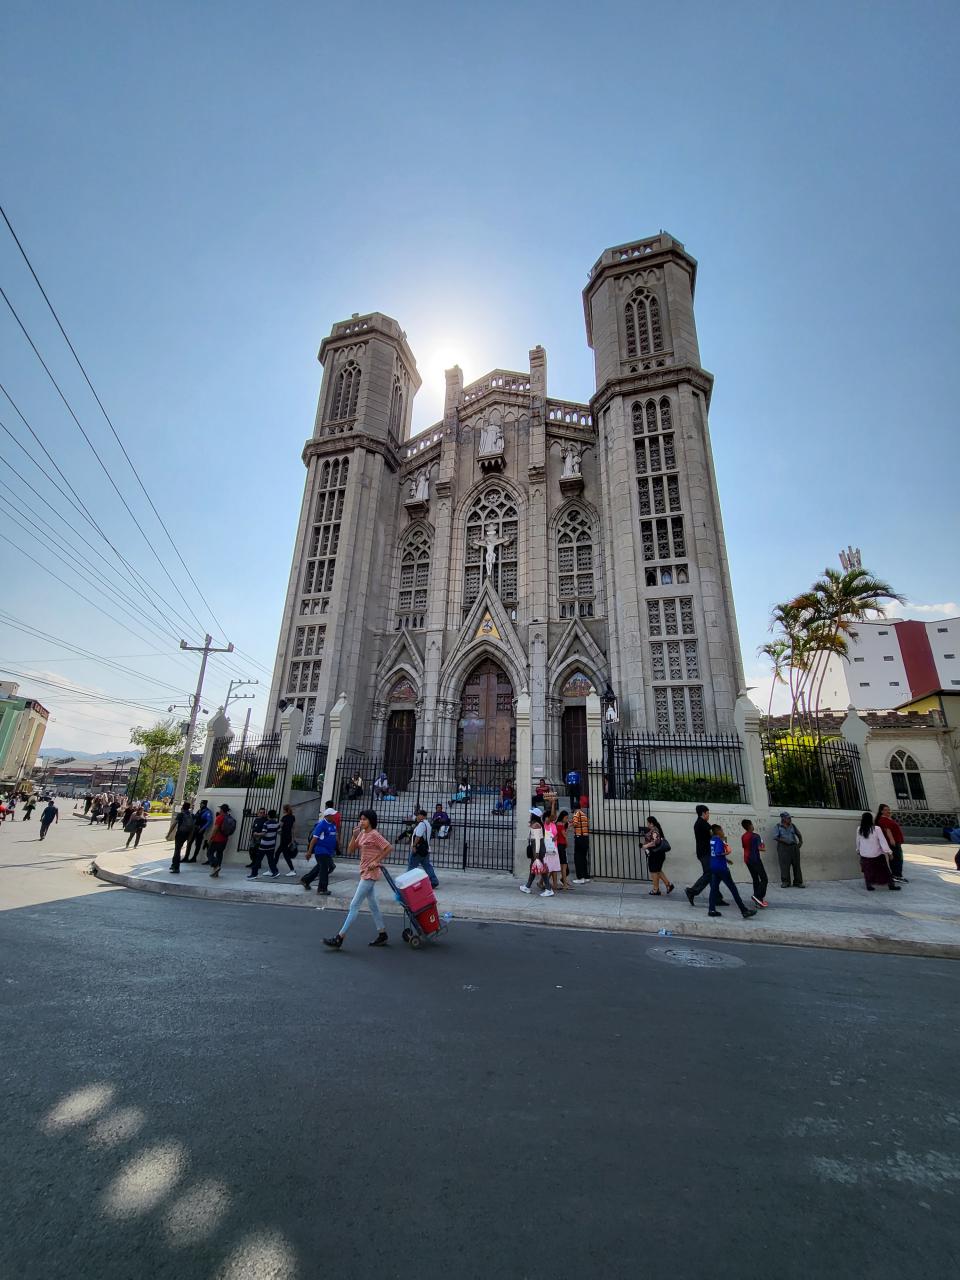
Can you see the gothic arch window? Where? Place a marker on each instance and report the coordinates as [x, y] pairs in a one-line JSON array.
[[491, 521], [642, 325], [414, 585], [346, 392], [576, 579], [396, 406], [907, 782]]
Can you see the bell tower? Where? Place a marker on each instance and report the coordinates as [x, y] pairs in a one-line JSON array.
[[674, 650], [338, 590]]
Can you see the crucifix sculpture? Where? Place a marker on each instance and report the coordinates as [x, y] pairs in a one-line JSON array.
[[489, 543]]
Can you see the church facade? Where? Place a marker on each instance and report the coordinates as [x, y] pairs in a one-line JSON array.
[[524, 543]]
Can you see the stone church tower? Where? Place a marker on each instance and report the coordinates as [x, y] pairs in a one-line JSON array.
[[523, 543]]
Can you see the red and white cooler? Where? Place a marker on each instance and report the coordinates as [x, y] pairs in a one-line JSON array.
[[417, 893]]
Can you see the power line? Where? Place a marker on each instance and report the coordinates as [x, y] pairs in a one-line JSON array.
[[98, 607], [109, 422], [77, 694], [103, 466], [137, 580], [9, 620]]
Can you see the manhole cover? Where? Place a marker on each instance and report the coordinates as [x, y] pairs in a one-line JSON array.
[[693, 958]]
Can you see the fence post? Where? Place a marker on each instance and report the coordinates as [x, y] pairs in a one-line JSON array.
[[340, 716], [524, 786], [856, 731], [291, 725], [218, 727], [746, 719]]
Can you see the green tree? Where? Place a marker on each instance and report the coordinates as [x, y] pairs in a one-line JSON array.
[[162, 746]]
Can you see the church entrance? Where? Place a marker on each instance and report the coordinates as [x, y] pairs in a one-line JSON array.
[[487, 728], [398, 749], [573, 742]]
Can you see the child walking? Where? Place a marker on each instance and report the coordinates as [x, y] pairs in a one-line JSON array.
[[753, 846], [535, 852], [720, 873], [551, 856]]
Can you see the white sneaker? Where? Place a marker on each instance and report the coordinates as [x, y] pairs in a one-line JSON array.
[[579, 882], [524, 889], [586, 880], [291, 873], [547, 893]]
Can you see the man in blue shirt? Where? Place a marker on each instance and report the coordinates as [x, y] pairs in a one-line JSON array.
[[720, 873], [323, 845], [203, 821]]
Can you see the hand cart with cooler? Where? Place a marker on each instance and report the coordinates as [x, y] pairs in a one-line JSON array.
[[414, 892]]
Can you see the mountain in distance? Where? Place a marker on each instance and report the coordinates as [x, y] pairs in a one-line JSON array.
[[60, 753]]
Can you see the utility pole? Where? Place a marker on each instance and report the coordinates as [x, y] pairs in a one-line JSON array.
[[237, 697], [206, 649]]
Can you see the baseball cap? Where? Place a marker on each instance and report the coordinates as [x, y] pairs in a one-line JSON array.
[[327, 812]]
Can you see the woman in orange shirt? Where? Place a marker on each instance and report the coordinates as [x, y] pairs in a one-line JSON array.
[[374, 850]]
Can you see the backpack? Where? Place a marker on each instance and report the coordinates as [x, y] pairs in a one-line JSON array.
[[229, 825]]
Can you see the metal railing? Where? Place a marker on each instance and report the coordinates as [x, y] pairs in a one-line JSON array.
[[804, 772], [702, 768]]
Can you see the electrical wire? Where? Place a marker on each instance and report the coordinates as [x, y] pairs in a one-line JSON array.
[[96, 453], [77, 694], [9, 620], [109, 421]]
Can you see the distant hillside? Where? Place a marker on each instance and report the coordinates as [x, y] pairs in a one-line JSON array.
[[93, 756]]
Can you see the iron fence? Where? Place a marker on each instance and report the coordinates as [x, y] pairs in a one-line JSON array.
[[309, 766], [702, 768], [243, 764], [803, 772], [476, 831]]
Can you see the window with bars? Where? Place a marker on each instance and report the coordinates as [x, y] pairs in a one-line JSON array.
[[323, 540], [304, 676], [575, 568], [346, 392], [308, 641], [309, 708], [671, 617], [643, 328], [679, 709], [493, 516], [414, 586]]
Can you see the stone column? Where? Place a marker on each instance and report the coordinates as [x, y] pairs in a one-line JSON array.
[[524, 786], [340, 716], [856, 731], [291, 726], [218, 727], [595, 761], [746, 719]]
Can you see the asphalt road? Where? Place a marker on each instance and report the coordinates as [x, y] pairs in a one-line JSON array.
[[196, 1089]]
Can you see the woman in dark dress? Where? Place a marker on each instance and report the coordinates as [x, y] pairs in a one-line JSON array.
[[656, 846]]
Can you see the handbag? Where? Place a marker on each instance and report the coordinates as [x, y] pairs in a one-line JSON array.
[[538, 867]]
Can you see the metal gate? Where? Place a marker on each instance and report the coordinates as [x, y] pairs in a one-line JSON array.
[[264, 770], [479, 831]]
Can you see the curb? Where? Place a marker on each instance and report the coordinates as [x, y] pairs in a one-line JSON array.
[[877, 944]]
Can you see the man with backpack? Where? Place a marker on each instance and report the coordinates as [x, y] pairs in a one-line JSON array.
[[203, 821], [183, 827], [420, 847], [224, 825]]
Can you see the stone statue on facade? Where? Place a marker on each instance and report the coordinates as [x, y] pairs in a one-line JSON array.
[[571, 459], [422, 486], [491, 439]]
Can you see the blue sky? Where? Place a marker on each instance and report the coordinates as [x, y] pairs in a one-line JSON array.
[[204, 189]]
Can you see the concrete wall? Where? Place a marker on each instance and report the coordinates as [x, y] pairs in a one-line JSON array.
[[828, 839]]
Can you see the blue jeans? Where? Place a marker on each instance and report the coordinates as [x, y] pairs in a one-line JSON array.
[[366, 889], [723, 877], [415, 861]]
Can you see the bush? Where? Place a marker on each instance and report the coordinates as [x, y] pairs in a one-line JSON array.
[[667, 784]]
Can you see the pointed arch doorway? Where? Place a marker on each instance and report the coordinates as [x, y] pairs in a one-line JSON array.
[[487, 727]]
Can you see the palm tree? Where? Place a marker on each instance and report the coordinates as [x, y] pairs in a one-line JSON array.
[[839, 601], [777, 651]]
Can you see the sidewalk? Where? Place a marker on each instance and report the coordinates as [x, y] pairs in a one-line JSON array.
[[924, 919]]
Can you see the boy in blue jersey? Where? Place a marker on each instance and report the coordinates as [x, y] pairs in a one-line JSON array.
[[720, 873], [323, 845]]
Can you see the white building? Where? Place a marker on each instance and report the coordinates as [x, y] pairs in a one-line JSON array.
[[890, 664]]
